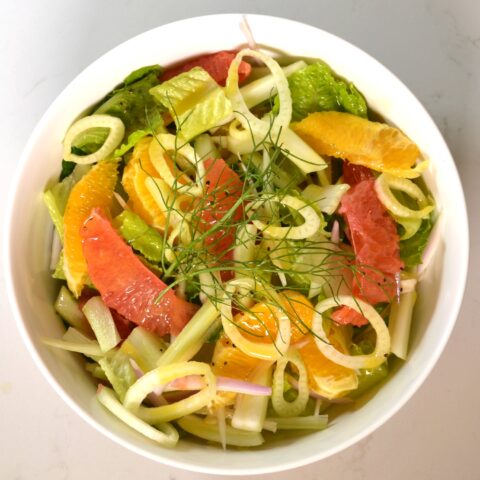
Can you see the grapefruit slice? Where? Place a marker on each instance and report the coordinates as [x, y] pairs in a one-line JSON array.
[[126, 284], [216, 64], [375, 241]]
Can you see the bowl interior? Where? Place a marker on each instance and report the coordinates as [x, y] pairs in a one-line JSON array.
[[28, 249]]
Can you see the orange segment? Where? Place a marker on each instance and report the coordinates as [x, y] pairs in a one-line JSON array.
[[138, 169], [229, 361], [324, 376], [360, 141], [260, 322], [95, 189]]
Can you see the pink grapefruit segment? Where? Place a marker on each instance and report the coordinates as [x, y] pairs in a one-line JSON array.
[[126, 284]]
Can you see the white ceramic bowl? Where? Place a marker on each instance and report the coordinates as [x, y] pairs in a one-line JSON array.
[[26, 257]]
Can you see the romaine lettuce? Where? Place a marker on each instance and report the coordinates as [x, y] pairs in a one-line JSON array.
[[315, 88], [133, 104], [195, 102], [140, 236], [411, 249]]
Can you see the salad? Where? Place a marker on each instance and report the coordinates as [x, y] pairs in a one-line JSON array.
[[237, 240]]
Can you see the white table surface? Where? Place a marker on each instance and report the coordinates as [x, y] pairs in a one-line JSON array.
[[433, 46]]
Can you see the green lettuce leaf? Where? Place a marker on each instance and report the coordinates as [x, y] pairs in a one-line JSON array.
[[195, 102], [133, 139], [133, 104], [367, 377], [67, 169], [315, 89], [411, 249], [140, 236], [141, 73]]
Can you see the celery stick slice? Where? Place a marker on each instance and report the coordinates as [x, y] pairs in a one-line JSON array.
[[250, 410], [399, 323], [192, 337], [67, 307], [101, 321], [167, 436], [85, 348], [144, 347], [209, 431], [311, 422]]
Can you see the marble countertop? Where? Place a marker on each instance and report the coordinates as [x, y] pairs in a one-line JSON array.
[[433, 46]]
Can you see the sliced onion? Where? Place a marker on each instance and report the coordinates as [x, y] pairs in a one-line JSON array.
[[384, 185], [265, 351], [160, 376], [224, 384], [165, 434], [297, 406], [307, 229], [382, 346], [115, 137], [249, 121]]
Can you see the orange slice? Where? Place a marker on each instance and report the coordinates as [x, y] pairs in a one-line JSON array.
[[138, 169], [324, 376], [259, 324], [95, 189], [374, 145], [229, 361]]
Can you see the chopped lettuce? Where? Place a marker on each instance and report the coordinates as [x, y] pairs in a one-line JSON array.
[[315, 88], [67, 169], [195, 101], [141, 73], [369, 377], [133, 104], [132, 140], [411, 249], [119, 371], [140, 236]]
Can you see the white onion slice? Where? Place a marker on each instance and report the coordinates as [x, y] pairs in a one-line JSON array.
[[115, 136], [384, 185], [382, 346], [306, 230], [166, 143], [160, 376], [165, 435], [297, 406]]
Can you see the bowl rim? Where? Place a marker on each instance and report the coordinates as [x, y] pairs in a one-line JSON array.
[[164, 459]]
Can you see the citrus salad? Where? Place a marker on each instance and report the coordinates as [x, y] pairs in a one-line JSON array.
[[237, 241]]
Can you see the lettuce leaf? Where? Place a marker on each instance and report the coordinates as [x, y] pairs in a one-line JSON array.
[[131, 142], [140, 236], [411, 249], [132, 102], [315, 88], [195, 102], [367, 378]]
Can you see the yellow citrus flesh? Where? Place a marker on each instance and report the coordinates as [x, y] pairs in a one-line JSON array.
[[324, 376], [259, 324], [360, 141], [138, 169], [229, 361], [95, 189]]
